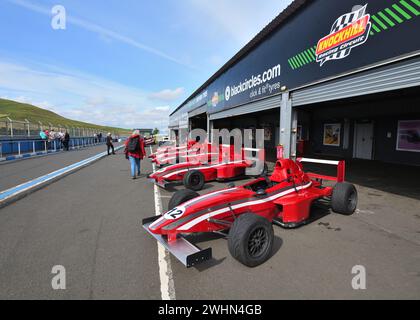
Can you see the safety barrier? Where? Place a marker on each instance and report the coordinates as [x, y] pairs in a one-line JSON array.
[[13, 128], [16, 149], [22, 190]]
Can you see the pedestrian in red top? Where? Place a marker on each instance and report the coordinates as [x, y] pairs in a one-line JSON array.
[[134, 151]]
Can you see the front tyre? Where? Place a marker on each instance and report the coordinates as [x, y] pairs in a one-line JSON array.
[[344, 198], [180, 197], [251, 239], [194, 180]]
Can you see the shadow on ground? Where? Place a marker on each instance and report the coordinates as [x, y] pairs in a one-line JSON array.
[[402, 180]]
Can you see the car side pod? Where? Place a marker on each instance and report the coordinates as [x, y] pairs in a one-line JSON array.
[[186, 252]]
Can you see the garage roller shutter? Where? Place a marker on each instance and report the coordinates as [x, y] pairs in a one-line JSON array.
[[260, 105], [391, 77], [197, 111]]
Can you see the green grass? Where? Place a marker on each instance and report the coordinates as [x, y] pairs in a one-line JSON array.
[[21, 111]]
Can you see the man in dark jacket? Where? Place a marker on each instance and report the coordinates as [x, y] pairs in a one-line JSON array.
[[66, 141], [109, 143]]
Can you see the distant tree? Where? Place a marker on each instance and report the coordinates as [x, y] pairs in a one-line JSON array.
[[155, 131]]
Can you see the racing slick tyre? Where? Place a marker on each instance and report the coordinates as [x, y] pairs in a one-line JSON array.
[[344, 198], [181, 196], [194, 180], [251, 239]]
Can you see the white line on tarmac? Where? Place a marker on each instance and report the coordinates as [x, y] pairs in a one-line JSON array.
[[167, 287]]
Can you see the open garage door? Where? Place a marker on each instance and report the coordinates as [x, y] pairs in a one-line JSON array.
[[260, 105], [400, 75], [198, 118]]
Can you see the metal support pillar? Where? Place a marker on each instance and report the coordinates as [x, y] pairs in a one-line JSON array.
[[288, 126]]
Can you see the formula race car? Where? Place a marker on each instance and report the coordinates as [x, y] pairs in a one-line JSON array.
[[198, 168], [149, 141], [169, 154], [246, 213]]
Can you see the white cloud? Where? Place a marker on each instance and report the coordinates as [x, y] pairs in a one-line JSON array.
[[165, 108], [168, 94], [82, 97], [104, 33]]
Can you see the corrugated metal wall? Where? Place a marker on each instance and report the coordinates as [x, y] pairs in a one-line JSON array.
[[260, 105], [392, 77], [197, 111]]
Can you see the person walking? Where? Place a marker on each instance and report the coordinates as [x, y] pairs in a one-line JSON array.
[[134, 151], [109, 144], [66, 141]]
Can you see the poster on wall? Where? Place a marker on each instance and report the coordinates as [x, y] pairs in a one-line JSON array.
[[409, 136], [332, 134], [268, 133]]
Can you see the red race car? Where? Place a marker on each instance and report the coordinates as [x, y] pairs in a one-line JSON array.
[[149, 141], [247, 212], [169, 154], [199, 168]]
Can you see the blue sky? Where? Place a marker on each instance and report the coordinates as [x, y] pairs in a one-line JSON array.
[[123, 63]]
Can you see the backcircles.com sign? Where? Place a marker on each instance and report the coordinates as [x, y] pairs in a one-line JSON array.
[[254, 83], [254, 87]]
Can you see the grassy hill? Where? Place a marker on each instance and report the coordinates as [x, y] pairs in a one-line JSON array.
[[21, 111]]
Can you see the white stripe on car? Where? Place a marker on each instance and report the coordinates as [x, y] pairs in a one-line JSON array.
[[196, 221], [201, 168]]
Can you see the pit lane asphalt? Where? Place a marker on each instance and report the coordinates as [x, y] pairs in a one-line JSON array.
[[316, 261], [89, 222], [17, 172]]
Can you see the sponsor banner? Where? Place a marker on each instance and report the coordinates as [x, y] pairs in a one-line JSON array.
[[325, 38], [348, 31]]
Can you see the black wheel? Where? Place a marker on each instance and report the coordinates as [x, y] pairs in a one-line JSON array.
[[194, 180], [180, 197], [344, 198], [251, 239]]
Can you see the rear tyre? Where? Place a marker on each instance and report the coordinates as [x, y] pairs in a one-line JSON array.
[[194, 180], [180, 197], [251, 239], [344, 198]]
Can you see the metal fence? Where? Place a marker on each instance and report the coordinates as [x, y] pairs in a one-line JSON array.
[[16, 129], [38, 146]]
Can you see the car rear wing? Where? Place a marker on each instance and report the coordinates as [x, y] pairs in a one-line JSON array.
[[186, 252], [341, 169]]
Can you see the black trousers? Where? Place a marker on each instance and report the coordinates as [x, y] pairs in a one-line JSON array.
[[110, 146]]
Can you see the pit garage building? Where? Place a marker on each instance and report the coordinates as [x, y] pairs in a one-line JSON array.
[[326, 78]]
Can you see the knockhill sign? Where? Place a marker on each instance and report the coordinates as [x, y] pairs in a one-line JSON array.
[[348, 31]]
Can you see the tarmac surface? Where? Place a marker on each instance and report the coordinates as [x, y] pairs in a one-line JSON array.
[[13, 173], [90, 223]]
